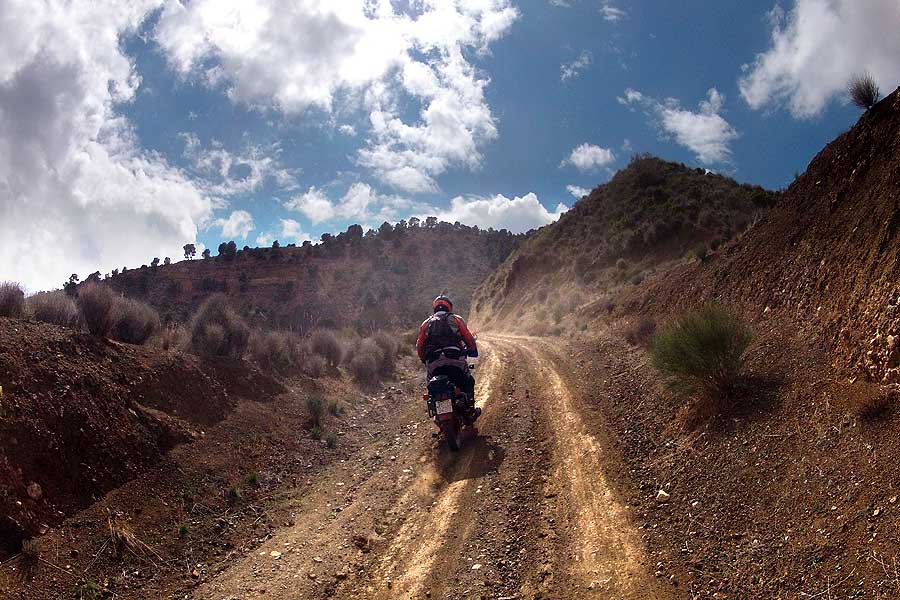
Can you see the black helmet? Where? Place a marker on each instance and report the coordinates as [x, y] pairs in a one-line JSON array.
[[442, 302]]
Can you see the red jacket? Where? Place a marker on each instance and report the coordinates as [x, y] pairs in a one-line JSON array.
[[464, 333]]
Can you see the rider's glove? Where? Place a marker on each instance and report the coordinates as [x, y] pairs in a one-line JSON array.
[[472, 353]]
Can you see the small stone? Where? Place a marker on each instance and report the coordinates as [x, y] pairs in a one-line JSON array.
[[275, 554], [662, 496], [34, 491], [476, 566]]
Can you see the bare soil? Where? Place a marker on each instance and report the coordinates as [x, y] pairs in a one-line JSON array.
[[527, 509]]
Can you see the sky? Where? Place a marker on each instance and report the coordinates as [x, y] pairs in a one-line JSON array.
[[130, 128]]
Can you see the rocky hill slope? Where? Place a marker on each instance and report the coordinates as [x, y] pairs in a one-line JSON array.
[[650, 214], [378, 280], [826, 257]]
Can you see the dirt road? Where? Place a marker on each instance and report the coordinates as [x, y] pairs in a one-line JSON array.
[[522, 511]]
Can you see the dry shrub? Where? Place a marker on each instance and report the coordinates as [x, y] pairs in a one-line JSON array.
[[389, 350], [364, 362], [314, 365], [53, 307], [12, 300], [169, 338], [97, 303], [639, 331], [863, 91], [275, 350], [327, 345], [135, 321], [217, 330]]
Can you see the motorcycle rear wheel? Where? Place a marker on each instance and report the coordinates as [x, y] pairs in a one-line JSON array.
[[453, 433]]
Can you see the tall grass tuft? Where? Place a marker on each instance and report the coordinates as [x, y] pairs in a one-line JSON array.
[[327, 345], [53, 307], [135, 321], [702, 352], [12, 300], [863, 91], [97, 303], [218, 330]]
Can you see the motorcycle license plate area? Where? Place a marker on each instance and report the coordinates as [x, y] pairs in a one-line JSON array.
[[444, 407]]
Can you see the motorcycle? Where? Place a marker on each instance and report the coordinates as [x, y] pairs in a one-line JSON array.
[[448, 405]]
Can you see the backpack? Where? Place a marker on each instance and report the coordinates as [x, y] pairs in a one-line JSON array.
[[440, 332]]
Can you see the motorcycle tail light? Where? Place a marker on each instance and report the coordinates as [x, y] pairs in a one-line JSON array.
[[425, 396]]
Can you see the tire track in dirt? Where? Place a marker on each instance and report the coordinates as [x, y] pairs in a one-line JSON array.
[[522, 511], [409, 560], [608, 557]]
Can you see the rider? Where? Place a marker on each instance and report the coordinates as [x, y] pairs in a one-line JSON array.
[[441, 330]]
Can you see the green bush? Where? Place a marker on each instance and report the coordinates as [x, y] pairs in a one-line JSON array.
[[702, 352], [315, 410], [12, 300]]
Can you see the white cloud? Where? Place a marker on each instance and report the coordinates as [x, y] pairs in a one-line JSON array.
[[587, 157], [348, 130], [817, 47], [366, 54], [292, 232], [227, 174], [705, 132], [518, 214], [560, 3], [265, 239], [573, 69], [76, 192], [238, 225], [360, 203], [611, 13], [577, 191]]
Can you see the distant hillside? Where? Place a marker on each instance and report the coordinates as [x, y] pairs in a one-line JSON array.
[[826, 257], [651, 213], [384, 278]]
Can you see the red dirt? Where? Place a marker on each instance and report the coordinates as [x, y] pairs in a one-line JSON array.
[[81, 416]]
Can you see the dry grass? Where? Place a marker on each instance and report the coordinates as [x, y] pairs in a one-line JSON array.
[[389, 350], [97, 303], [53, 307], [169, 338], [327, 345], [863, 91], [218, 330], [135, 321], [639, 331], [12, 300], [274, 350], [363, 361]]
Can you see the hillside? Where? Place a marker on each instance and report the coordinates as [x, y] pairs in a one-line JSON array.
[[650, 214], [378, 280], [826, 258]]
